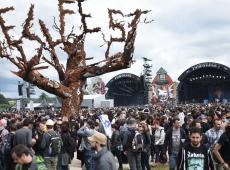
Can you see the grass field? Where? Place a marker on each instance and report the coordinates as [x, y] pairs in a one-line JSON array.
[[160, 167]]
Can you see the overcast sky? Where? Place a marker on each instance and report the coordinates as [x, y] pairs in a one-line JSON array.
[[184, 33]]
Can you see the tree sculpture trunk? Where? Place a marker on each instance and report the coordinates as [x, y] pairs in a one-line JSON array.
[[72, 104], [73, 75]]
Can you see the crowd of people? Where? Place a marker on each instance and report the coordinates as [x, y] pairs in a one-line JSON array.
[[186, 137]]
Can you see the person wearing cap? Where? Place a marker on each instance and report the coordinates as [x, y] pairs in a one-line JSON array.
[[104, 159], [222, 149], [50, 160]]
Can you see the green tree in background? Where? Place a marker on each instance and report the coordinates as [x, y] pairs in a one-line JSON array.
[[43, 97], [3, 100]]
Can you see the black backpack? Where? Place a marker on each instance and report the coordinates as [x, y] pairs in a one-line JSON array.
[[55, 144], [137, 142], [1, 136], [7, 144], [71, 147]]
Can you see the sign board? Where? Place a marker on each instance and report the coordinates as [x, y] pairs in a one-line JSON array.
[[18, 105], [31, 105]]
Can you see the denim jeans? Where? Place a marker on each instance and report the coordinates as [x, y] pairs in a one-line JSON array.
[[134, 159], [2, 162], [172, 161], [145, 160], [89, 159], [51, 162], [158, 150], [118, 154], [59, 164]]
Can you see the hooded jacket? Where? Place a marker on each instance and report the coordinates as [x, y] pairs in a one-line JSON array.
[[104, 160]]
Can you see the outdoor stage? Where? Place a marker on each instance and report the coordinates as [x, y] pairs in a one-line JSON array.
[[204, 82]]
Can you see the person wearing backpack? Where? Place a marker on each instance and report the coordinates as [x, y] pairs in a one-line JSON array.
[[38, 135], [213, 135], [67, 149], [131, 147], [26, 160], [116, 144], [7, 147], [51, 143], [3, 134], [145, 154]]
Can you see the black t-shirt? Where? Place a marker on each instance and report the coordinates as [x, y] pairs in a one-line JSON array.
[[192, 158], [224, 141], [196, 157]]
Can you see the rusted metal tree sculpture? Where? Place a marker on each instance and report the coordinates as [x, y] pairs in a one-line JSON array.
[[72, 77]]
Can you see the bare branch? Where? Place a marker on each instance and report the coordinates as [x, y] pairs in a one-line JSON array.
[[120, 60], [136, 15], [5, 10], [48, 61], [36, 78], [114, 25], [40, 68], [3, 50], [5, 54], [52, 45], [83, 20], [26, 28], [62, 14], [11, 43], [34, 60], [5, 29], [55, 26]]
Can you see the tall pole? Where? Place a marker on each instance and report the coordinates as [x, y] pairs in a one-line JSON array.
[[148, 79]]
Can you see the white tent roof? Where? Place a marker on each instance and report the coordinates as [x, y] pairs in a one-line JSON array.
[[93, 96]]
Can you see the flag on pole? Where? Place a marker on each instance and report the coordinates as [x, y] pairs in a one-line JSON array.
[[106, 124]]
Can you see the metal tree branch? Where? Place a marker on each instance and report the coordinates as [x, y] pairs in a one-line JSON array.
[[27, 25], [27, 69], [114, 25], [62, 14], [45, 83], [75, 49], [83, 20], [120, 60], [73, 77], [51, 49]]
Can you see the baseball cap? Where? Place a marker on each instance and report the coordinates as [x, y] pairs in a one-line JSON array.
[[99, 138], [50, 122]]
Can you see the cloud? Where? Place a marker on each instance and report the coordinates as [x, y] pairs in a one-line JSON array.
[[184, 33]]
